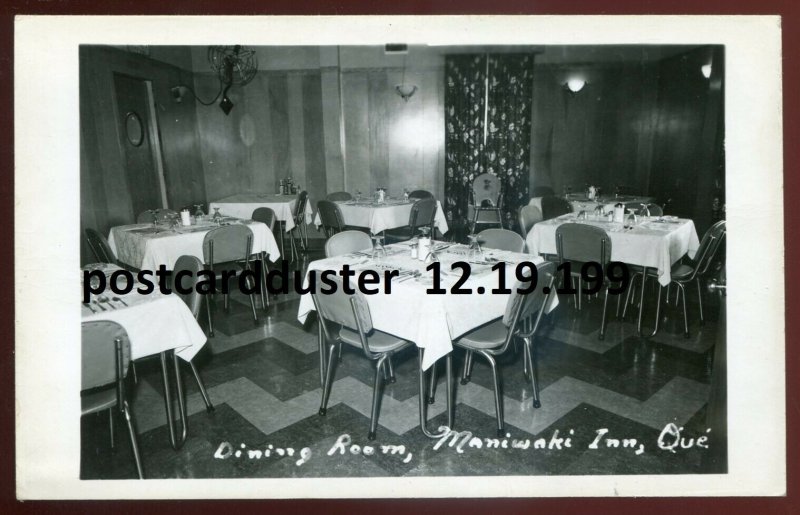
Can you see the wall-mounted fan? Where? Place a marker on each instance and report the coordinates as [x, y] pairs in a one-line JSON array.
[[234, 64]]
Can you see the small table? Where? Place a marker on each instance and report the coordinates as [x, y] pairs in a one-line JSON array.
[[242, 205], [140, 246], [432, 322], [378, 217], [155, 324]]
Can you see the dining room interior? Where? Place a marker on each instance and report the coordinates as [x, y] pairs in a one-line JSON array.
[[513, 159]]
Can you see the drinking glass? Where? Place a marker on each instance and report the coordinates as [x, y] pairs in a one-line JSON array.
[[474, 253], [217, 216], [198, 211], [378, 250]]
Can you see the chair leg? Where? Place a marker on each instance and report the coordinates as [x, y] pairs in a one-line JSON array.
[[602, 335], [202, 387], [326, 390], [208, 311], [134, 445], [525, 368], [264, 292], [252, 297], [376, 399], [111, 425], [321, 342], [682, 290], [390, 368], [529, 363], [133, 369], [700, 301], [467, 367], [498, 400]]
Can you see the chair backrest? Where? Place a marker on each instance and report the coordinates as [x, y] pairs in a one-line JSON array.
[[227, 243], [348, 310], [554, 206], [581, 242], [300, 206], [346, 242], [339, 196], [420, 194], [330, 217], [100, 247], [162, 215], [522, 306], [709, 246], [543, 191], [192, 265], [528, 216], [422, 214], [264, 215], [101, 365], [486, 188], [501, 239]]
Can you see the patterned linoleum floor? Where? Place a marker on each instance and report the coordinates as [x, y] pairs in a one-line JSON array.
[[264, 381]]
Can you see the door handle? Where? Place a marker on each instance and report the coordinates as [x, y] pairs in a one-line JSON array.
[[714, 285]]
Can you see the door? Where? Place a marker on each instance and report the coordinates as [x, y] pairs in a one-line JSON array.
[[138, 141], [716, 459]]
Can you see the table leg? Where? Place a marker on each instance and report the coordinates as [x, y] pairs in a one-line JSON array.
[[176, 444], [181, 399], [641, 302], [423, 411]]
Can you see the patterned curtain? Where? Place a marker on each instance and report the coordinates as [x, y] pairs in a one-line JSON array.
[[508, 141], [463, 117], [507, 151]]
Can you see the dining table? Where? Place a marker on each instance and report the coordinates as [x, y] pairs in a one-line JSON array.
[[580, 202], [381, 216], [145, 247], [242, 205], [650, 242], [156, 324], [431, 321]]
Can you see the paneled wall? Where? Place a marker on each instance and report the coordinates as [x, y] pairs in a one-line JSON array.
[[105, 195], [602, 135]]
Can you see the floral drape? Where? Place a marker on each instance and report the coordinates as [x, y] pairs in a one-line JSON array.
[[464, 118], [508, 121]]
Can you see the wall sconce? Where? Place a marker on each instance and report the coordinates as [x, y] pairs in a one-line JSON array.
[[405, 91], [706, 70], [574, 85]]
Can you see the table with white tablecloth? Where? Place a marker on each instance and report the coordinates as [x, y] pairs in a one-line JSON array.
[[242, 205], [656, 243], [580, 203], [378, 217], [140, 246]]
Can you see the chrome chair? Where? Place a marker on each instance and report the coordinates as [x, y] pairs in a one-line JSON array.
[[339, 196], [423, 214], [640, 209], [162, 215], [521, 320], [346, 242], [105, 357], [351, 312], [528, 216], [420, 194], [501, 239], [192, 265], [553, 207], [579, 244], [228, 245], [266, 216], [683, 274], [299, 217], [330, 217], [487, 197], [100, 247]]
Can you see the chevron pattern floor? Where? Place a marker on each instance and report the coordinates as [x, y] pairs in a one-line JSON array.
[[264, 381]]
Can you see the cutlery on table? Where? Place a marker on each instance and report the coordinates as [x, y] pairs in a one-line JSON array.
[[88, 305], [120, 300], [102, 299], [99, 305]]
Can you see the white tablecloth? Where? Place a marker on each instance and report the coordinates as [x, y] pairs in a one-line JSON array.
[[579, 205], [380, 217], [154, 322], [143, 249], [242, 205], [432, 322], [651, 244]]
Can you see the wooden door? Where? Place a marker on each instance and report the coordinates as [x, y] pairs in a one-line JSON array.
[[138, 142]]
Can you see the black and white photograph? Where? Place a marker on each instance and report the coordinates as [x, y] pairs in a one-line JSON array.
[[414, 254]]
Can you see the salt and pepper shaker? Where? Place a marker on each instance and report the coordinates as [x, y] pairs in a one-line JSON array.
[[186, 218]]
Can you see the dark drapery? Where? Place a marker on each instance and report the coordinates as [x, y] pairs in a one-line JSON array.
[[508, 122], [464, 99]]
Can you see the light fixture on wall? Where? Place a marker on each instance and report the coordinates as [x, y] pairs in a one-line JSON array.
[[574, 84], [404, 89], [706, 70]]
